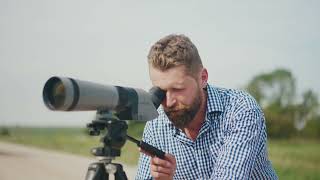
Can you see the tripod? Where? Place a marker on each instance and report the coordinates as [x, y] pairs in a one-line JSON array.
[[112, 141]]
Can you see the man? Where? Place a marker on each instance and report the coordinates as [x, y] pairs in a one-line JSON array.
[[206, 132]]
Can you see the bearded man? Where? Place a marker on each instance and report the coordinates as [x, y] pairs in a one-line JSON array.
[[207, 132]]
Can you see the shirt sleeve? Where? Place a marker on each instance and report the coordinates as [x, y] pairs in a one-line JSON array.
[[143, 172], [242, 143]]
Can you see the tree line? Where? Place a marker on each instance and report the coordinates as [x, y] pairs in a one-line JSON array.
[[287, 113]]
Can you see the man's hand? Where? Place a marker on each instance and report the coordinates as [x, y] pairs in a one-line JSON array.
[[162, 169]]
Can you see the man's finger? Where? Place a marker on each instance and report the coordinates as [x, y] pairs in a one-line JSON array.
[[157, 175], [160, 162], [160, 169], [170, 158]]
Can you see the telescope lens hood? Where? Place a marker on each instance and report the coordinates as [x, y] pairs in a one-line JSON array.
[[60, 93]]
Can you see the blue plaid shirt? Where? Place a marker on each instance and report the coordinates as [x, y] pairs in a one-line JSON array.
[[232, 142]]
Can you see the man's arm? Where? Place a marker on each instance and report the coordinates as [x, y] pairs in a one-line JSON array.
[[243, 140]]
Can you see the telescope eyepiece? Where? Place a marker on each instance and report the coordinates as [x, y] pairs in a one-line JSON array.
[[157, 95]]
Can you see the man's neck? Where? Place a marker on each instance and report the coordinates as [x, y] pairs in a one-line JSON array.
[[193, 129]]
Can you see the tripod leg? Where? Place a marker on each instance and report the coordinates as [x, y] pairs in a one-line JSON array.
[[120, 174], [97, 171]]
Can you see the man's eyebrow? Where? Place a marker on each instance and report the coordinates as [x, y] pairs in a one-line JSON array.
[[178, 85]]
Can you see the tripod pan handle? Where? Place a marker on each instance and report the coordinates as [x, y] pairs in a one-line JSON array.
[[151, 149]]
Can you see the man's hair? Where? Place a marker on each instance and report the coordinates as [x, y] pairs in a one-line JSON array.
[[175, 50]]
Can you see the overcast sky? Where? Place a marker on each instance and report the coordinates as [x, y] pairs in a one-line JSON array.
[[107, 42]]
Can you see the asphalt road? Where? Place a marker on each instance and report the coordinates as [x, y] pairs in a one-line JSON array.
[[29, 163]]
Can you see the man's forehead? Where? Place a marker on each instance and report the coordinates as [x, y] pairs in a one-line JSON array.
[[172, 78], [177, 70], [169, 84]]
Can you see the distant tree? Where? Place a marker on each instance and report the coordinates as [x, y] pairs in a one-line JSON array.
[[277, 87], [312, 128], [306, 110], [276, 93], [4, 131]]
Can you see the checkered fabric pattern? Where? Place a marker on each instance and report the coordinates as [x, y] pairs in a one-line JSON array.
[[231, 143]]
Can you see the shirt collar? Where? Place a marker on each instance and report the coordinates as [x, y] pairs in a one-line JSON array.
[[214, 102]]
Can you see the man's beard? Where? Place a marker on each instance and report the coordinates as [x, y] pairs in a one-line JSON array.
[[182, 115]]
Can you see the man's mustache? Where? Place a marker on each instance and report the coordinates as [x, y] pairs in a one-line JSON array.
[[176, 110]]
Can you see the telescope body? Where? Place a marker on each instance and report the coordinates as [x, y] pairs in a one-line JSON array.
[[67, 94]]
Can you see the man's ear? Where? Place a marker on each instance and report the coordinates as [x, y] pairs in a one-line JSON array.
[[204, 77]]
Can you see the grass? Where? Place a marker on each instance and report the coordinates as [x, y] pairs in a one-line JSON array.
[[71, 140], [292, 159], [296, 159]]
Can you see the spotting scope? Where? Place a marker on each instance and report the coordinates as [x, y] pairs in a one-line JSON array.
[[68, 94]]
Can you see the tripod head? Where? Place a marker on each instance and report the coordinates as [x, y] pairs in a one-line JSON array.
[[114, 138]]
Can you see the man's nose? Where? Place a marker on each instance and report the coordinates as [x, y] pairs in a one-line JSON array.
[[170, 99]]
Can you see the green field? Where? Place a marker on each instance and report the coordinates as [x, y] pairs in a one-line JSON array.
[[292, 159]]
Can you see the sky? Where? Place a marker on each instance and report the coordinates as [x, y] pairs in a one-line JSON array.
[[107, 42]]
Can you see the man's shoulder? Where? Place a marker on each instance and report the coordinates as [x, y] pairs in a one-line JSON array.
[[236, 97]]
